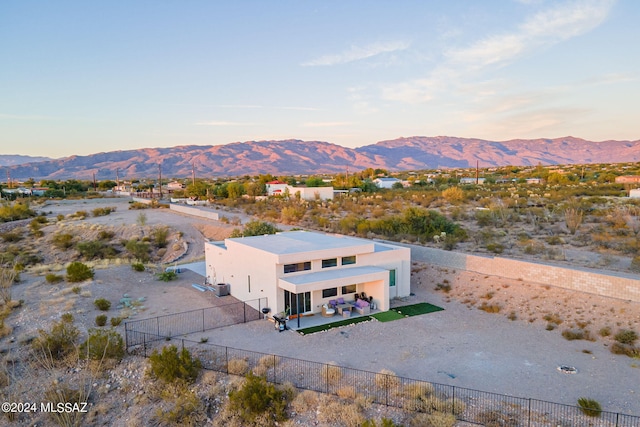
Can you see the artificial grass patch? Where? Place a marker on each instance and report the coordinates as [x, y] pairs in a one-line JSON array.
[[326, 327], [387, 316], [384, 316], [417, 309]]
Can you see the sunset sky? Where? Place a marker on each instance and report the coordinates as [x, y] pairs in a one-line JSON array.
[[82, 77]]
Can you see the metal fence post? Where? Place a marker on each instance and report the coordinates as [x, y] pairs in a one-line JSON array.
[[203, 320], [529, 423], [226, 357], [453, 399]]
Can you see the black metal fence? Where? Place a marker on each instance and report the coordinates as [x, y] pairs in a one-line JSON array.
[[144, 331], [472, 406]]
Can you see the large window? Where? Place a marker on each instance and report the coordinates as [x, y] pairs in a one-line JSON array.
[[328, 293], [301, 266], [346, 260], [349, 289], [332, 262]]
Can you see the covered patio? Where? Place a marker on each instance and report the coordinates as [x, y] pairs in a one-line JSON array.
[[305, 294]]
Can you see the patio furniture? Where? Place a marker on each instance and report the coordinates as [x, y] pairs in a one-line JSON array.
[[346, 313], [362, 307], [327, 311], [343, 307]]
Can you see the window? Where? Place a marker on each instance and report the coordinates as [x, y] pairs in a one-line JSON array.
[[329, 262], [349, 289], [346, 260], [301, 266], [328, 293], [392, 277]]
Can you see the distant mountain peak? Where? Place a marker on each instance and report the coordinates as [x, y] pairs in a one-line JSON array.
[[294, 156]]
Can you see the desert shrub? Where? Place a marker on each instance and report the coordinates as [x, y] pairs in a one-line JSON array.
[[575, 334], [255, 228], [589, 407], [102, 304], [387, 379], [495, 418], [137, 266], [11, 236], [445, 287], [331, 373], [346, 393], [265, 363], [103, 343], [115, 321], [160, 235], [605, 332], [626, 336], [257, 398], [626, 349], [384, 422], [101, 320], [167, 276], [105, 235], [141, 219], [490, 308], [138, 250], [59, 341], [635, 264], [553, 318], [103, 211], [187, 410], [350, 413], [436, 419], [15, 211], [305, 401], [76, 290], [95, 249], [53, 278], [496, 248], [79, 215], [62, 240], [59, 217], [169, 365], [138, 205], [78, 272], [58, 394], [36, 228], [453, 195], [238, 367]]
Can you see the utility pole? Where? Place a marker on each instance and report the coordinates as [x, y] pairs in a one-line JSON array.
[[193, 174], [160, 178], [477, 173], [94, 181], [117, 180]]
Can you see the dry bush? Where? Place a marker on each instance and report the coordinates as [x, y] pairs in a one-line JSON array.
[[350, 414], [187, 410], [331, 373], [305, 401], [417, 390], [437, 419], [387, 379], [265, 363], [346, 393], [238, 367], [495, 418], [490, 308]]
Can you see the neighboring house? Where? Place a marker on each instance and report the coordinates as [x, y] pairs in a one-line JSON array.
[[299, 271], [628, 179], [471, 180], [279, 188], [535, 181], [39, 191], [175, 185], [385, 182], [635, 193]]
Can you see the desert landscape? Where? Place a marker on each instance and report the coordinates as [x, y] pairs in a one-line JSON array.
[[514, 350]]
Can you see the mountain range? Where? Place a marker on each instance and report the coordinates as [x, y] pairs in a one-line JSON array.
[[293, 157]]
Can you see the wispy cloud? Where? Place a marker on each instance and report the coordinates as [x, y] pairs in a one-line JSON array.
[[547, 27], [325, 124], [224, 123], [357, 53]]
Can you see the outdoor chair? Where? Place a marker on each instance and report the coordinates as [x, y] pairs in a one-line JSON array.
[[327, 311]]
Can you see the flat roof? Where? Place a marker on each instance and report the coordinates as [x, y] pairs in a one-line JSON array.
[[291, 242], [331, 278]]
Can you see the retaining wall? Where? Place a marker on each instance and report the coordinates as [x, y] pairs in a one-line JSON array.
[[191, 210], [614, 285]]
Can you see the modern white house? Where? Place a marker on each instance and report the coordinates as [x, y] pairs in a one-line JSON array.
[[386, 182], [279, 188], [299, 271]]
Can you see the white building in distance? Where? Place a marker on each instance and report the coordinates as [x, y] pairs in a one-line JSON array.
[[299, 271], [279, 188]]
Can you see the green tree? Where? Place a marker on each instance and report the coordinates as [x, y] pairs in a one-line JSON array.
[[79, 272], [169, 365], [257, 398], [255, 228], [139, 250]]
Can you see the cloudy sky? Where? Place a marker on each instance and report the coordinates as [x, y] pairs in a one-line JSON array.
[[81, 77]]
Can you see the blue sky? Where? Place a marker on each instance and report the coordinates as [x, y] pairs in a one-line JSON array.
[[82, 77]]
